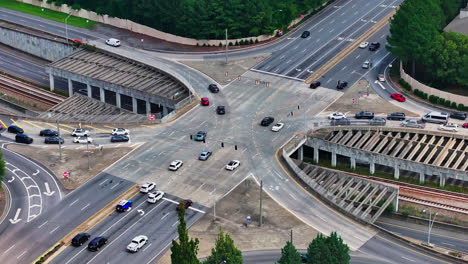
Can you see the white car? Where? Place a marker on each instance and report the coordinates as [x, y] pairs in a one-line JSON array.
[[80, 132], [277, 127], [175, 165], [83, 140], [120, 131], [449, 127], [336, 116], [153, 197], [145, 188], [363, 45], [113, 42], [137, 243], [232, 165], [381, 78]]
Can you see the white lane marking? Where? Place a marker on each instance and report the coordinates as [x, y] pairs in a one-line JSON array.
[[175, 223], [74, 202], [86, 206], [9, 249], [408, 259], [448, 244], [147, 247], [292, 196], [36, 173], [164, 216], [53, 230], [115, 186], [344, 68], [172, 201], [288, 61], [12, 179], [202, 123], [320, 29], [331, 31], [48, 192], [24, 252], [358, 56], [102, 182], [244, 150], [43, 224], [377, 82], [15, 219]]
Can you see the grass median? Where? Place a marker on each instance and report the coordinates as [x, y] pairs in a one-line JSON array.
[[47, 13]]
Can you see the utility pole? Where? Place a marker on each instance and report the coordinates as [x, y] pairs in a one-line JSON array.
[[291, 237], [59, 140], [87, 151], [214, 202], [66, 27], [226, 46], [261, 190]]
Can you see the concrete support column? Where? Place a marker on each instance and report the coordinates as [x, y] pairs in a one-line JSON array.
[[396, 172], [90, 94], [316, 155], [333, 158], [442, 180], [117, 100], [395, 202], [70, 88], [102, 95], [134, 104], [353, 163], [422, 177], [164, 111], [300, 153], [372, 167], [148, 107], [51, 81]]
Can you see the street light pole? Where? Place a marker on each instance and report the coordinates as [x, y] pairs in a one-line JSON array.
[[261, 201], [66, 27], [431, 223], [87, 151], [226, 46], [59, 143], [214, 202]]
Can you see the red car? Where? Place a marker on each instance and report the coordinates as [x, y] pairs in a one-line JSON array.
[[465, 125], [398, 97], [78, 41], [205, 101]]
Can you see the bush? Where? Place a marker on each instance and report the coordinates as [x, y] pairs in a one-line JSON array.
[[441, 101], [241, 42], [237, 43], [424, 96], [453, 105], [49, 1], [220, 44], [404, 84], [433, 99], [204, 44], [256, 40], [198, 45], [76, 7], [461, 107], [447, 103], [251, 41], [58, 3]]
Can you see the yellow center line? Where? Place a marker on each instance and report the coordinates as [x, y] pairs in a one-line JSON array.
[[422, 231], [148, 126], [3, 124], [95, 128], [109, 127], [67, 126], [34, 125], [17, 124]]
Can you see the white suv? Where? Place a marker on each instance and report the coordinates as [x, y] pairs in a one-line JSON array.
[[120, 131], [449, 127], [80, 132], [137, 243], [145, 188], [175, 165], [153, 197]]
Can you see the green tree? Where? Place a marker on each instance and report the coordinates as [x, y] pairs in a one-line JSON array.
[[2, 167], [224, 250], [289, 255], [185, 251], [328, 250]]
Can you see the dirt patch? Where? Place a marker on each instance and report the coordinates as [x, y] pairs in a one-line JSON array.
[[217, 69], [231, 213], [74, 161], [364, 99]]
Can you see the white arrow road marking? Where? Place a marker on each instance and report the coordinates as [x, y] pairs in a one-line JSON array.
[[15, 219], [36, 173], [48, 192], [141, 212], [12, 179], [380, 84]]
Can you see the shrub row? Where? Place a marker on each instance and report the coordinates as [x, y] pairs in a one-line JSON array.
[[237, 43]]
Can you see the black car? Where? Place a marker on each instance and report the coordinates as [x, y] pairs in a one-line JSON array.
[[396, 116], [374, 46], [54, 140], [341, 84], [48, 133], [458, 115], [119, 138], [377, 121], [221, 110], [315, 85], [305, 34], [213, 88], [97, 243], [187, 204], [340, 122], [15, 129], [267, 121], [83, 91], [23, 138], [303, 257], [80, 239], [364, 115]]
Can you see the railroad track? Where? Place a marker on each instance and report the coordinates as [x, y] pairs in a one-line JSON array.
[[29, 91]]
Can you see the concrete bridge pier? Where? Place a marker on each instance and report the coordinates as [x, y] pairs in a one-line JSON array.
[[422, 177], [372, 167], [51, 82], [353, 163], [88, 87], [396, 172], [70, 87], [333, 158], [316, 154], [442, 180]]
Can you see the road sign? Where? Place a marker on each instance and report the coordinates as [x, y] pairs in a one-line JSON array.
[[248, 219], [281, 32], [151, 117], [65, 174]]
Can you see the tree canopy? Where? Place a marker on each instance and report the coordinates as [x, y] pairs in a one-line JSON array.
[[328, 250], [185, 251], [289, 255], [224, 250], [2, 167]]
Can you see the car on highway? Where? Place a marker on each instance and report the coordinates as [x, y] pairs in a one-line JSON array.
[[78, 41], [175, 165], [15, 129], [465, 125], [48, 133], [381, 78], [123, 205], [187, 203], [458, 115], [277, 127], [341, 84], [54, 140], [363, 45], [119, 138], [449, 127], [336, 115], [23, 138], [396, 116], [205, 101], [377, 121], [221, 110], [200, 136], [340, 122], [120, 131], [305, 34], [113, 42], [232, 165], [83, 140], [80, 239], [374, 46], [147, 187], [266, 121], [137, 243], [414, 123], [364, 115], [80, 132], [204, 155], [367, 64], [155, 196], [314, 85], [398, 97], [213, 88], [97, 243]]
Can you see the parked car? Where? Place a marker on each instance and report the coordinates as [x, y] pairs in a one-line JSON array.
[[137, 243], [175, 165], [377, 121], [277, 127], [15, 129], [48, 133], [155, 196], [449, 127], [23, 138], [465, 125], [266, 121], [220, 110], [80, 132], [54, 140], [80, 239], [205, 101], [145, 188], [200, 136], [119, 138], [398, 97], [120, 131], [305, 34], [341, 84], [340, 122], [381, 78], [458, 115], [413, 123], [123, 205], [83, 140], [204, 155], [363, 45], [113, 42], [374, 46], [367, 64], [187, 204], [314, 85], [303, 257], [396, 116], [232, 165], [364, 115], [83, 91], [97, 243], [336, 115], [213, 88]]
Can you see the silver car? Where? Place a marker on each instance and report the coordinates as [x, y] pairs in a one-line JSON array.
[[413, 123], [377, 121]]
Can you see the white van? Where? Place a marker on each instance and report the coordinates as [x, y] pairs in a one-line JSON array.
[[153, 197], [436, 117], [113, 42]]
